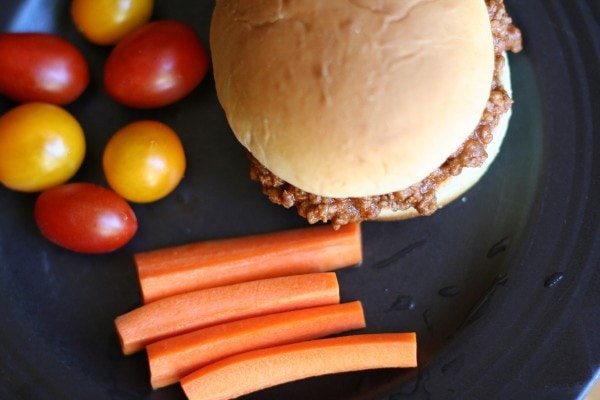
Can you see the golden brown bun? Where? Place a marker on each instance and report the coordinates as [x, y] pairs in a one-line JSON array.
[[350, 98], [456, 186]]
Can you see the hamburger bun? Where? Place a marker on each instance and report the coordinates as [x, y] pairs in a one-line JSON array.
[[354, 98]]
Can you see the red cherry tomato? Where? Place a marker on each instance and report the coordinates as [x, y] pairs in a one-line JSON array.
[[41, 67], [85, 218], [156, 65]]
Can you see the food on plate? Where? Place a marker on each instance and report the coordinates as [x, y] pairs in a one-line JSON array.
[[357, 110], [186, 312], [105, 22], [173, 358], [156, 65], [211, 263], [144, 161], [85, 218], [41, 145], [41, 67], [259, 369]]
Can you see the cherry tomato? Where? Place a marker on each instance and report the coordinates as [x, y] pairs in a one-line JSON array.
[[41, 67], [85, 218], [105, 22], [41, 145], [144, 161], [156, 65]]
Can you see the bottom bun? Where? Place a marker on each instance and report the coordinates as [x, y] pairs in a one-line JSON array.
[[456, 186]]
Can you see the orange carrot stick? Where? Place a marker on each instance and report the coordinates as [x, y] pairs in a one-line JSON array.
[[258, 369], [189, 311], [201, 265], [173, 358]]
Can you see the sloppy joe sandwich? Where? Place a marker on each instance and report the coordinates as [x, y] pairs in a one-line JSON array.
[[354, 110]]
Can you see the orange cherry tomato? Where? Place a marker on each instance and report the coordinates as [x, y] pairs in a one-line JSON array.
[[41, 145], [144, 161], [105, 22]]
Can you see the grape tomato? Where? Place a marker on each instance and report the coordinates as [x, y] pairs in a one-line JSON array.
[[156, 65], [41, 67], [85, 218]]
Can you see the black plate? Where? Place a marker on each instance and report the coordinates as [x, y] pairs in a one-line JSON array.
[[502, 286]]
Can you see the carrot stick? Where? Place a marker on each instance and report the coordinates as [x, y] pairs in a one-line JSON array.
[[189, 311], [173, 358], [201, 265], [258, 369]]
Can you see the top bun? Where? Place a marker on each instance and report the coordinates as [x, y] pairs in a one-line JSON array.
[[352, 98]]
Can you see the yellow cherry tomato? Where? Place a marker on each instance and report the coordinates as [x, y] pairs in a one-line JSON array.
[[144, 161], [41, 145], [105, 22]]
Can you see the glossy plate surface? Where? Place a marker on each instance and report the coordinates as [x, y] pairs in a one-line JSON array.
[[502, 286]]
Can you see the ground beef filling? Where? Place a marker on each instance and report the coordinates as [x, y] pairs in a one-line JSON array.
[[421, 196]]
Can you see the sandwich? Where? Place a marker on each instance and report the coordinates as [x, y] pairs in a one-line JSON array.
[[355, 110]]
